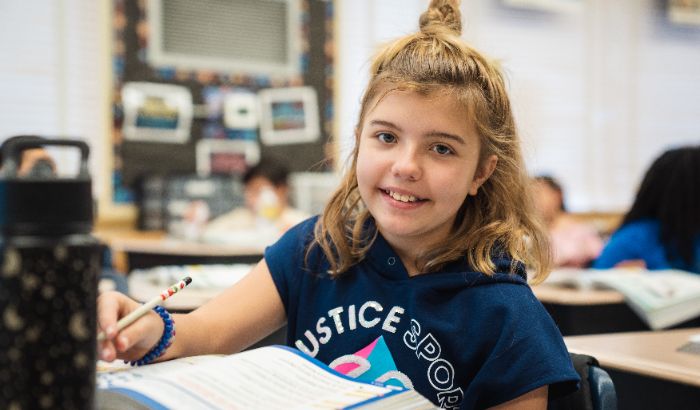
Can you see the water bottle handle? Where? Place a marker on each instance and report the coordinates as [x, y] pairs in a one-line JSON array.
[[12, 150]]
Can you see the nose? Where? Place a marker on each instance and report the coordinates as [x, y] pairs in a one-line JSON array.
[[407, 164]]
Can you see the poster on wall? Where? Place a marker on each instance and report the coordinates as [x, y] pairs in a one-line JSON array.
[[156, 112], [288, 115], [240, 110], [227, 157], [217, 114], [684, 12]]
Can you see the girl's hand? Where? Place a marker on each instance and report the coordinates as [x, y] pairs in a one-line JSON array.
[[135, 340]]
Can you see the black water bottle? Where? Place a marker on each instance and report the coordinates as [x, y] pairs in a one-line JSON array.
[[49, 264]]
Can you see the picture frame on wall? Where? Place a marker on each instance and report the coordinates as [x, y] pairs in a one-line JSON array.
[[156, 112], [288, 115], [684, 12], [227, 157]]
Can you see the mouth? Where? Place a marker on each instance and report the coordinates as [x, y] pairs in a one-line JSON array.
[[405, 198]]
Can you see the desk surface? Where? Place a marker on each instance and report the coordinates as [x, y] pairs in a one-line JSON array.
[[170, 246], [652, 354], [556, 294], [144, 249]]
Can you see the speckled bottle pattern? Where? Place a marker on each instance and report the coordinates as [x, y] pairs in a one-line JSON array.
[[47, 331]]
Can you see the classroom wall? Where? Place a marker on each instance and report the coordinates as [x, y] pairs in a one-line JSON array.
[[598, 91]]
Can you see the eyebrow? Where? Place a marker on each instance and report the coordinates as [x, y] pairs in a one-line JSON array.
[[438, 134]]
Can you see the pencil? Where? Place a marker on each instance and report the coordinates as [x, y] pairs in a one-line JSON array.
[[146, 307]]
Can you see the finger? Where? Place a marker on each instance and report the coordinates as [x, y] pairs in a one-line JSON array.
[[108, 310], [107, 351]]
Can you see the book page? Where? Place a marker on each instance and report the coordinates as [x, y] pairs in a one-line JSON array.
[[269, 377], [653, 289]]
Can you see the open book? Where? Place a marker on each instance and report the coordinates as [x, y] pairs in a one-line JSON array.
[[661, 298], [271, 377]]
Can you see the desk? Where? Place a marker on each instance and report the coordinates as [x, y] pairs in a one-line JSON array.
[[647, 369], [589, 311], [147, 252]]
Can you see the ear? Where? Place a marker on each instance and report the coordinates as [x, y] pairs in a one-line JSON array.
[[483, 173]]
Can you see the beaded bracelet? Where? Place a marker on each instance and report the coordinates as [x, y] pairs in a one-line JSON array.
[[165, 341]]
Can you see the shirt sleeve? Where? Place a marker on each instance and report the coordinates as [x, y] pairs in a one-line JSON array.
[[527, 353], [286, 260], [633, 242]]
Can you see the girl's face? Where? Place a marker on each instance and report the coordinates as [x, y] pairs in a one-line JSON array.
[[255, 187], [418, 159]]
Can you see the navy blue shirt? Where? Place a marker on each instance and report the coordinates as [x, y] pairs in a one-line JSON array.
[[461, 338]]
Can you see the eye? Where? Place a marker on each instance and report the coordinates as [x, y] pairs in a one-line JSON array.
[[386, 137], [442, 149]]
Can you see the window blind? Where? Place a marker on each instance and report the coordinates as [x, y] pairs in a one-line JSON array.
[[52, 74]]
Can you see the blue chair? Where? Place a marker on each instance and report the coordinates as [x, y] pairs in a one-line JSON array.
[[596, 392]]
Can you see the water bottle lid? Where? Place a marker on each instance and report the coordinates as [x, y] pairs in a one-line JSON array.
[[41, 204]]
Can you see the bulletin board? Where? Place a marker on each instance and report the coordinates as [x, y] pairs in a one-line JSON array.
[[135, 159]]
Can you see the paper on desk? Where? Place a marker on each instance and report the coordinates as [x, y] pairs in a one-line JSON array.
[[203, 276], [690, 347]]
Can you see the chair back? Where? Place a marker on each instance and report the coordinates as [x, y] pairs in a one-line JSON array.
[[602, 388], [596, 390]]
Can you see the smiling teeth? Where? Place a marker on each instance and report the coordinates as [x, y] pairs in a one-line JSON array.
[[402, 198]]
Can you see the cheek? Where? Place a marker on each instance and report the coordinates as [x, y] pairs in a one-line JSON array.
[[364, 170], [454, 193], [455, 196]]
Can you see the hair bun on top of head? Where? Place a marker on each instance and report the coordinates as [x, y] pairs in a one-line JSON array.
[[442, 13]]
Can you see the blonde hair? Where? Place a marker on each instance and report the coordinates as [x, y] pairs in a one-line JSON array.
[[500, 217]]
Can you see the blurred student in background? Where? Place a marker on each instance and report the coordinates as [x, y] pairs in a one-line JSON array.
[[267, 204], [574, 243], [662, 228], [33, 162]]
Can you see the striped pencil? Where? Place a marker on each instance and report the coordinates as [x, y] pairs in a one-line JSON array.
[[146, 307]]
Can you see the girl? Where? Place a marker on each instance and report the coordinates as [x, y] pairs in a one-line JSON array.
[[662, 228], [415, 272]]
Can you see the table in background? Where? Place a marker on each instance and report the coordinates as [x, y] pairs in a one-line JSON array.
[[591, 311], [141, 252], [648, 370]]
